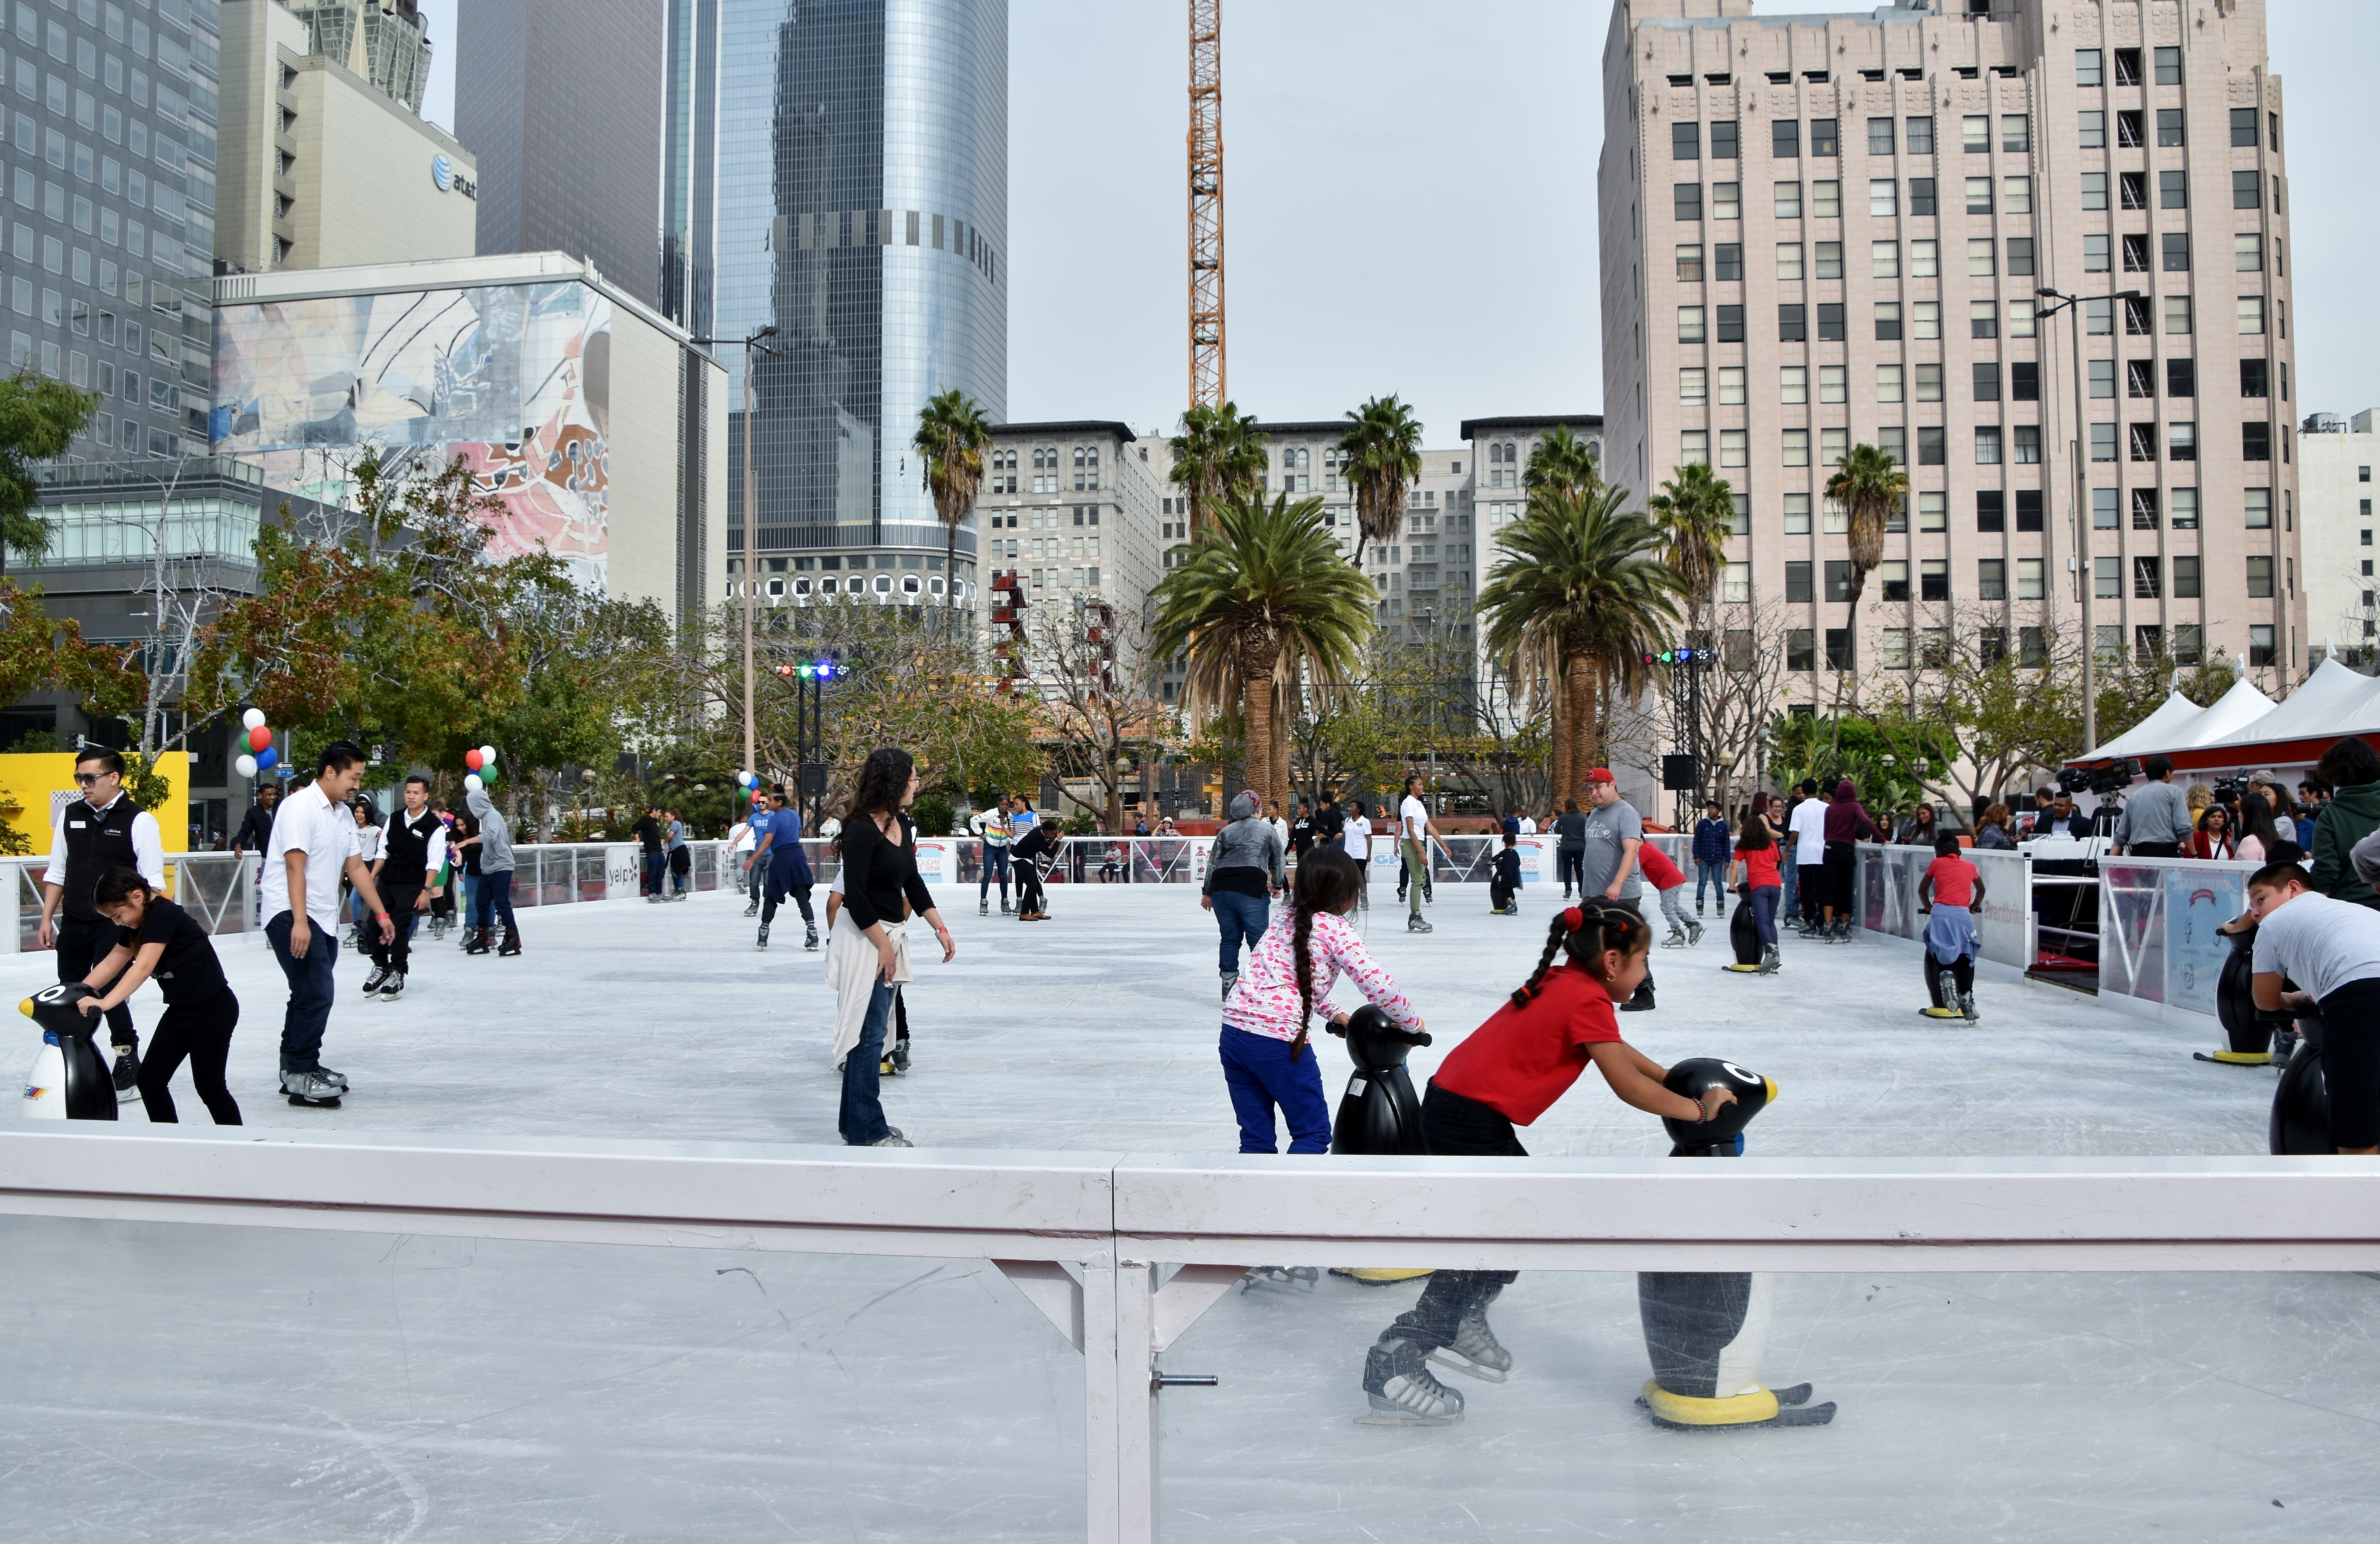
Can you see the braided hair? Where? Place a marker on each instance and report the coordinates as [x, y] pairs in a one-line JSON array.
[[1327, 880], [1584, 933]]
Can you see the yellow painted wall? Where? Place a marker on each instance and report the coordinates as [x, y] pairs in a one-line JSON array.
[[27, 782]]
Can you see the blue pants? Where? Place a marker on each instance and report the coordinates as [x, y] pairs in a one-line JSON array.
[[1764, 912], [861, 1118], [1714, 875], [1242, 917], [995, 866], [311, 985], [1257, 1070], [494, 898], [656, 865], [1790, 873]]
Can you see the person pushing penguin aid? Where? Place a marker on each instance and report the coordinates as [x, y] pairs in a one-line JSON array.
[[69, 1080]]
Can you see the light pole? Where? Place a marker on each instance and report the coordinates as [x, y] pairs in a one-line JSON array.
[[2083, 577], [751, 524]]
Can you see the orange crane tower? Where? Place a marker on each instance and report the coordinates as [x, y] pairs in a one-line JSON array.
[[1205, 202]]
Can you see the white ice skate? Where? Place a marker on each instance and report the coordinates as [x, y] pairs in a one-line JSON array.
[[1476, 1352], [1401, 1390]]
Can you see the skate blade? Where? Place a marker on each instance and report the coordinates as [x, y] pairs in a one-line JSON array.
[[1398, 1417], [1453, 1362]]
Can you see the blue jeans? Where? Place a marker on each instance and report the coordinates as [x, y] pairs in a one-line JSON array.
[[495, 895], [1242, 917], [1764, 912], [1260, 1075], [861, 1119], [656, 865], [995, 866], [311, 986], [1714, 875], [1790, 873]]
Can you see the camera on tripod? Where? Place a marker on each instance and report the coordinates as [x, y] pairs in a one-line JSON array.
[[2105, 779], [2229, 789]]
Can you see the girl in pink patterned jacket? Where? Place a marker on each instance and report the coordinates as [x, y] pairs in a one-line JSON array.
[[1267, 1060]]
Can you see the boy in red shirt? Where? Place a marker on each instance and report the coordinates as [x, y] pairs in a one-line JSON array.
[[1508, 1073], [1947, 896], [1671, 881]]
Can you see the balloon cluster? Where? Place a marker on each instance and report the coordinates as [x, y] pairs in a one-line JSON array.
[[750, 784], [260, 756], [482, 763]]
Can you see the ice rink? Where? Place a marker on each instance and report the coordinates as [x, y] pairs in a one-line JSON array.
[[187, 1382]]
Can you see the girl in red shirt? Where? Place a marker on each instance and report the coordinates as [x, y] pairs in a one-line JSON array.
[[1946, 897], [1755, 864], [1506, 1074]]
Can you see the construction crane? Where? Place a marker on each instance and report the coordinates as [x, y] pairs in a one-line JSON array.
[[1206, 203]]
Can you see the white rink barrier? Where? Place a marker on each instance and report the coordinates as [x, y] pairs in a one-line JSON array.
[[1122, 1252], [2006, 926], [2160, 955]]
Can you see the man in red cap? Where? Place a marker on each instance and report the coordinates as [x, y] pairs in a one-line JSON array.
[[1608, 868]]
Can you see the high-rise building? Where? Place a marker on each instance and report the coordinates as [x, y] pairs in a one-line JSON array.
[[689, 162], [859, 180], [111, 174], [561, 102], [326, 159], [1819, 231], [2335, 456]]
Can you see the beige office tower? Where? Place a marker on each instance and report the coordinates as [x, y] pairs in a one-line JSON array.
[[1819, 231]]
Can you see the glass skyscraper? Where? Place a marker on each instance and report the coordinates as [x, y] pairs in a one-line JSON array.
[[860, 207]]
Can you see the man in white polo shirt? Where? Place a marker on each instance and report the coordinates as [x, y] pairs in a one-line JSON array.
[[313, 839]]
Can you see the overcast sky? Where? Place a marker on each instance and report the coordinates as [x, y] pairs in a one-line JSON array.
[[1409, 203]]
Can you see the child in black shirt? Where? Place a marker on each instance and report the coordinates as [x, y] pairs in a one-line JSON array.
[[1504, 882], [157, 939]]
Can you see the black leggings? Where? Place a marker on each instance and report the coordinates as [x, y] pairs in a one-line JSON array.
[[2350, 1063], [1453, 1126], [1567, 864], [778, 890], [200, 1031], [1028, 885], [1842, 877], [1962, 974]]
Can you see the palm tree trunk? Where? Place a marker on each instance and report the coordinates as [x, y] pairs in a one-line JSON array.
[[1558, 731], [1257, 715], [1579, 695]]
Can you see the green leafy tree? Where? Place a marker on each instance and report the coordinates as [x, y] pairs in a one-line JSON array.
[[1383, 445], [1571, 607], [1887, 756], [952, 436], [1561, 461], [1261, 588], [1218, 455], [1869, 486], [38, 652], [39, 418]]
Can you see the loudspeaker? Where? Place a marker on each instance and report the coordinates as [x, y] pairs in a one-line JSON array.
[[1680, 774]]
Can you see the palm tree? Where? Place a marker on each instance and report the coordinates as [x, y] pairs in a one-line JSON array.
[[952, 436], [1578, 598], [1560, 460], [1382, 446], [1262, 590], [1869, 486], [1219, 454], [1694, 512]]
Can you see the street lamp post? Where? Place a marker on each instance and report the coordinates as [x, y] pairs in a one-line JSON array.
[[2083, 577], [751, 527]]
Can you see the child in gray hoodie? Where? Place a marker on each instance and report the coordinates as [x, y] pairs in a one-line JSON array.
[[1243, 870], [495, 895]]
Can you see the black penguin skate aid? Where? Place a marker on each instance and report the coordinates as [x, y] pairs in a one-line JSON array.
[[1706, 1331], [1744, 937], [2248, 1031], [2300, 1123], [69, 1069], [1379, 1113]]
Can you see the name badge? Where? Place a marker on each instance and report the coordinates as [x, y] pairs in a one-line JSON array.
[[75, 825]]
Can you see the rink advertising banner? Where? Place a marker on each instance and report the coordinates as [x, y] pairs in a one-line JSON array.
[[515, 380], [937, 859]]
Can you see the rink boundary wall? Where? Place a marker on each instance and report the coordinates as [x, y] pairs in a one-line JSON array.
[[1122, 1252]]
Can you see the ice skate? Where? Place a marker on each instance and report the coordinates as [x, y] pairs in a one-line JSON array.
[[1476, 1353], [900, 1059], [1967, 1006], [1676, 940], [890, 1139], [311, 1090], [1414, 924], [128, 1069], [1770, 963], [479, 942], [512, 944], [1693, 935], [1004, 910], [332, 1075], [810, 941], [754, 910], [1283, 1278], [764, 942], [1231, 979], [983, 906], [373, 981], [1402, 1391], [393, 988]]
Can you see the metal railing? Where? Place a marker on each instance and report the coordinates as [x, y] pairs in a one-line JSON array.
[[1124, 1252]]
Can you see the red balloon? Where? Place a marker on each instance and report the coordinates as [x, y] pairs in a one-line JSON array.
[[471, 760], [258, 737]]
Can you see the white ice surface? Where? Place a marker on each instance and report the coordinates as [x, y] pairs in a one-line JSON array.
[[189, 1382]]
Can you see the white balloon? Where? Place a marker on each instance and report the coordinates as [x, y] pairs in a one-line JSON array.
[[488, 753], [245, 766], [472, 784], [252, 719]]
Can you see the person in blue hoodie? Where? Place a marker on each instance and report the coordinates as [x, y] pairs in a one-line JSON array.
[[1713, 847]]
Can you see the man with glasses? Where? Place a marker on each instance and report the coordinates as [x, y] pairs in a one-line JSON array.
[[100, 831]]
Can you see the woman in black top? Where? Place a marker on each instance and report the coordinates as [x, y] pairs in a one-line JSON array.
[[157, 939], [879, 868]]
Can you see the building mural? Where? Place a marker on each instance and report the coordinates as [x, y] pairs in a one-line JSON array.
[[515, 380]]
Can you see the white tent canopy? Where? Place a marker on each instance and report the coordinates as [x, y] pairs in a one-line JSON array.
[[2161, 730], [2235, 711], [2333, 701]]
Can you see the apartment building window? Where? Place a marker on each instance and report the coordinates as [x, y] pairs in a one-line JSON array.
[[1685, 141], [2020, 256], [1991, 510], [1835, 520], [1830, 259], [2168, 66], [1987, 382], [2087, 67], [1975, 134], [2144, 509], [2255, 378], [2170, 128], [1887, 383], [1689, 196], [2025, 381], [2185, 578], [1838, 580], [2107, 579], [1822, 138], [1793, 384], [2094, 254], [1739, 517], [1797, 514], [1725, 200], [2181, 442], [2255, 441], [1732, 447], [1785, 138], [1727, 263], [2251, 315], [2258, 505], [1979, 195], [2260, 578], [2248, 252], [2016, 196], [2139, 378], [1883, 259], [2143, 441], [2148, 580], [2028, 580], [1833, 445], [1980, 258], [2182, 506], [1832, 384], [2020, 319], [2173, 190], [1924, 261], [1983, 319], [1797, 584], [1991, 579], [1735, 587], [1883, 196], [1987, 445], [1929, 382], [1925, 319], [2243, 128], [1800, 652], [2103, 508], [2127, 66], [1932, 511], [1920, 136], [1826, 201], [1693, 447], [1690, 325], [2247, 191], [1723, 139], [1797, 448], [1730, 386], [2025, 441], [1838, 646], [2133, 189], [2136, 316], [1689, 264], [1789, 259], [1792, 324], [1788, 201], [1921, 196], [1894, 654], [1730, 323], [2102, 373], [2094, 129], [2094, 189], [1880, 136], [2028, 510], [1830, 322], [2103, 442], [1933, 446], [1693, 385], [2260, 639], [2175, 246]]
